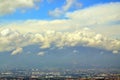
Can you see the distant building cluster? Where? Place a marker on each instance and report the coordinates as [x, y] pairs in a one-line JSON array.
[[36, 74]]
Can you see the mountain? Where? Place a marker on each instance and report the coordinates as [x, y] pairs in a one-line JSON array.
[[68, 57]]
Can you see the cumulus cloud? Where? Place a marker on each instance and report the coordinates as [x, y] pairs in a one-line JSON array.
[[5, 32], [10, 39], [57, 12], [10, 6], [17, 51], [83, 37]]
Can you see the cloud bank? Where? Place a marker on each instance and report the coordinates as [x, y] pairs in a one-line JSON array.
[[48, 39]]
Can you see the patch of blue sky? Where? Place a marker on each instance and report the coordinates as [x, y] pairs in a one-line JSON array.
[[45, 7], [88, 3]]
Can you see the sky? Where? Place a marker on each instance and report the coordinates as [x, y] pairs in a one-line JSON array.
[[58, 33]]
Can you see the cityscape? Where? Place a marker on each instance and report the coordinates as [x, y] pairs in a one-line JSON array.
[[59, 39], [66, 74]]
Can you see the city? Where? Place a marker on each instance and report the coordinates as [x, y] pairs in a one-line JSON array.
[[67, 74]]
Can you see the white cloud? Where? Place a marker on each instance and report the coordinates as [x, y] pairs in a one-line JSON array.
[[75, 51], [10, 6], [57, 12], [68, 4], [96, 14], [41, 54], [5, 32], [12, 39], [98, 17], [82, 37], [115, 52], [17, 51]]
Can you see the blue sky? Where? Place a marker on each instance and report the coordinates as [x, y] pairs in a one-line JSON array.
[[71, 29], [45, 6]]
